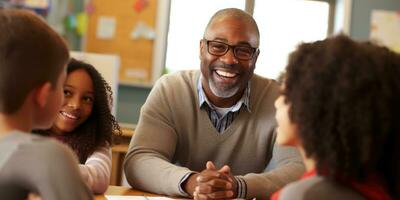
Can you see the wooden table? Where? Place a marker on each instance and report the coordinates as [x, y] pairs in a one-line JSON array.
[[119, 190]]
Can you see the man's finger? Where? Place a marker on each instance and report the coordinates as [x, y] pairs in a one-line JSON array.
[[225, 169], [203, 189], [213, 185], [209, 175], [210, 165], [201, 197], [221, 195], [219, 184]]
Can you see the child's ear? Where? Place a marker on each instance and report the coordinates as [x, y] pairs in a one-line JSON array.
[[42, 94]]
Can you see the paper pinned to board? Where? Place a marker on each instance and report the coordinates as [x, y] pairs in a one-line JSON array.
[[118, 197], [106, 27], [81, 23], [385, 28], [39, 4], [142, 30]]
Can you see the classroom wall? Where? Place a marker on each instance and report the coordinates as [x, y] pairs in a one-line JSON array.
[[130, 98], [361, 15]]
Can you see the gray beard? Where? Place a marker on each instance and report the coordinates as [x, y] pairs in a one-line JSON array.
[[222, 93]]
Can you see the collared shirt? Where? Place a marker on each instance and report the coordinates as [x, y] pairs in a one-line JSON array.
[[221, 121]]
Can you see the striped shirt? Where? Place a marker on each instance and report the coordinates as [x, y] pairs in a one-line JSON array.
[[221, 121]]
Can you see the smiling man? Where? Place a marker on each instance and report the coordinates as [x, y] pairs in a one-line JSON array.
[[209, 134]]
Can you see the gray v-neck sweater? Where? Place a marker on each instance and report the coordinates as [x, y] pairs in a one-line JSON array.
[[174, 137]]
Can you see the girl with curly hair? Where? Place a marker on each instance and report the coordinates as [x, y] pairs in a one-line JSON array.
[[86, 124], [340, 106]]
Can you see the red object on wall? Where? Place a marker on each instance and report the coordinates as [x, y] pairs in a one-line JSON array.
[[139, 5]]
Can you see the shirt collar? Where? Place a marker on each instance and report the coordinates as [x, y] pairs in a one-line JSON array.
[[244, 101]]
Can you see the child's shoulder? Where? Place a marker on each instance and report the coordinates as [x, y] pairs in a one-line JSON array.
[[19, 139], [28, 144], [317, 187]]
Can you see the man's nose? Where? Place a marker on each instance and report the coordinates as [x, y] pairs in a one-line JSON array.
[[229, 57]]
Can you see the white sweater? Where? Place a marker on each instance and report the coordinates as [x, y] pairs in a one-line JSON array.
[[97, 169]]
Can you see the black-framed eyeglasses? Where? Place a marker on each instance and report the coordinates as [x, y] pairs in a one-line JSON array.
[[241, 52]]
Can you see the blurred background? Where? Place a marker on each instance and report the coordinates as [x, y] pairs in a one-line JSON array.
[[147, 38]]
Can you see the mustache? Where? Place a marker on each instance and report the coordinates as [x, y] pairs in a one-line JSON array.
[[226, 66]]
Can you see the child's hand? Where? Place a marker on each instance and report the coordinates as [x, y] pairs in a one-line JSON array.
[[34, 196]]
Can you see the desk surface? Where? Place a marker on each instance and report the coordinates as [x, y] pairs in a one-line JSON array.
[[118, 190], [127, 132]]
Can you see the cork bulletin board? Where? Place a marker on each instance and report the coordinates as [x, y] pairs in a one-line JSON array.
[[112, 26], [385, 28]]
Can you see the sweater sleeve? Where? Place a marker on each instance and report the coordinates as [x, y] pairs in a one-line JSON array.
[[148, 164], [285, 166], [97, 169]]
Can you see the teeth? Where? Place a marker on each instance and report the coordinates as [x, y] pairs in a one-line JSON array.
[[225, 74], [69, 115]]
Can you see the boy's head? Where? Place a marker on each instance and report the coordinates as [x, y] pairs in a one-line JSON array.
[[32, 55], [346, 94]]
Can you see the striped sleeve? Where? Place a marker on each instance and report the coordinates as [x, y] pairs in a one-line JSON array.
[[97, 170], [241, 188]]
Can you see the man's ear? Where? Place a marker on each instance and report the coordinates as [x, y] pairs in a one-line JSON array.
[[202, 44], [42, 94], [257, 53]]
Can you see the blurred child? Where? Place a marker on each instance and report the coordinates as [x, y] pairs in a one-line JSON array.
[[340, 106], [33, 62], [86, 124]]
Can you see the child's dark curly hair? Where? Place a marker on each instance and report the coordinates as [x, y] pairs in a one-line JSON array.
[[345, 99], [100, 127]]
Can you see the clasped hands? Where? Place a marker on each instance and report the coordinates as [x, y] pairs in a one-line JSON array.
[[212, 183]]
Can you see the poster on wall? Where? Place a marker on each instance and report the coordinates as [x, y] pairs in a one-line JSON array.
[[385, 28], [106, 27]]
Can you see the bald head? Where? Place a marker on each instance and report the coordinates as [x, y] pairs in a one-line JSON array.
[[233, 13]]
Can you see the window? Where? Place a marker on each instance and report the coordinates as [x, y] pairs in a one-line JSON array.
[[188, 19], [283, 24]]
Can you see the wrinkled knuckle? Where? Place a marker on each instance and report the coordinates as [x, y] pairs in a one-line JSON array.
[[213, 182]]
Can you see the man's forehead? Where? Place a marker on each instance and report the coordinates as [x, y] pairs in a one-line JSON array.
[[225, 27]]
